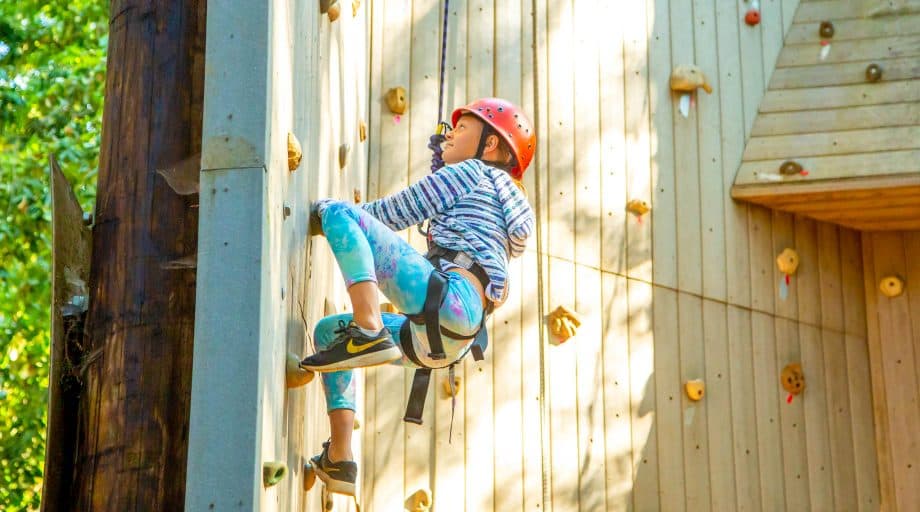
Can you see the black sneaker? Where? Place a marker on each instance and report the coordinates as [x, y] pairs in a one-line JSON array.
[[354, 349], [339, 477]]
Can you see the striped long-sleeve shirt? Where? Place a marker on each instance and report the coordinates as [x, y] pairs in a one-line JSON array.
[[472, 207]]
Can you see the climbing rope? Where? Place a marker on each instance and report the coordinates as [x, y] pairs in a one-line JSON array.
[[435, 141]]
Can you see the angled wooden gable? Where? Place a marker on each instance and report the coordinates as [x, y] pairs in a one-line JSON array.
[[858, 141]]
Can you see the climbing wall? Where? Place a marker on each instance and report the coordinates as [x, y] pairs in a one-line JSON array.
[[274, 70], [689, 290], [892, 283]]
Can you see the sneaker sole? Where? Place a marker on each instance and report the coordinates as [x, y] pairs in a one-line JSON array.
[[366, 361], [333, 485]]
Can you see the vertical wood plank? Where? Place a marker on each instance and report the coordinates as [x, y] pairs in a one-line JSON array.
[[752, 67], [532, 422], [768, 401], [912, 290], [449, 487], [772, 32], [788, 7], [695, 414], [532, 64], [590, 388], [720, 429], [586, 29], [765, 373], [480, 445], [508, 342], [561, 211], [899, 367], [617, 433], [743, 410], [860, 382], [686, 154], [421, 117], [760, 228], [589, 362], [638, 157], [879, 395], [840, 436], [643, 416], [562, 398], [663, 164], [711, 181], [672, 491], [737, 256], [612, 142], [390, 390], [818, 449], [792, 415]]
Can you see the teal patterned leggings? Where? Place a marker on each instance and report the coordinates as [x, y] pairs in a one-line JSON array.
[[367, 250]]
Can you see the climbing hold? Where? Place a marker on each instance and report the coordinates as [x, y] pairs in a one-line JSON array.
[[789, 168], [891, 286], [419, 501], [788, 261], [316, 223], [294, 375], [362, 131], [272, 473], [309, 476], [447, 388], [752, 17], [355, 5], [396, 100], [695, 389], [286, 211], [563, 323], [637, 206], [357, 195], [330, 8], [873, 72], [792, 378], [826, 30], [688, 79], [343, 154], [357, 424], [295, 153]]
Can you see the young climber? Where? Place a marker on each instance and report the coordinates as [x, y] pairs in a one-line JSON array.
[[478, 217]]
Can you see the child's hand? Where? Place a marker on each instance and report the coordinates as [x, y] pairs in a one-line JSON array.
[[316, 212]]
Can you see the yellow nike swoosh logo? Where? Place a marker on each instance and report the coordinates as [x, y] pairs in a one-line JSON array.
[[351, 348]]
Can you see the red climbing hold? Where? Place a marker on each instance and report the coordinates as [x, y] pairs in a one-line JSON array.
[[752, 17]]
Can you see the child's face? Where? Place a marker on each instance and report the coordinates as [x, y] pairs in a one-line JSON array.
[[463, 140]]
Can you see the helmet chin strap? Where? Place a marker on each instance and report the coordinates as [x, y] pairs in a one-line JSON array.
[[483, 137]]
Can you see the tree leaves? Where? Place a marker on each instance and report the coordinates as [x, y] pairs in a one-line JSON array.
[[52, 81]]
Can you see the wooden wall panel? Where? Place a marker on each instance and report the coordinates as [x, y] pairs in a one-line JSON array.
[[690, 290], [895, 359]]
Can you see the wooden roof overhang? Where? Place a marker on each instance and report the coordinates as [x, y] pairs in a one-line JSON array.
[[857, 141]]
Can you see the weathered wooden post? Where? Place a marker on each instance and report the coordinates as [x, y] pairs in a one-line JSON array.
[[132, 432]]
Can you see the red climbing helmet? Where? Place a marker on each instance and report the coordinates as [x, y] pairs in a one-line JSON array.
[[510, 123]]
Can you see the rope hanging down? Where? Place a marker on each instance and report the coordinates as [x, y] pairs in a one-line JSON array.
[[435, 141]]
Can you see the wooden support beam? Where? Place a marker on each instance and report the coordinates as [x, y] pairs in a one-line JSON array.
[[134, 407]]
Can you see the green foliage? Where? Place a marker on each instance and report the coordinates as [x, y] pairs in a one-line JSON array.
[[52, 69]]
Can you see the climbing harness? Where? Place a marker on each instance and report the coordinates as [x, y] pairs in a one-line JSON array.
[[429, 317]]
